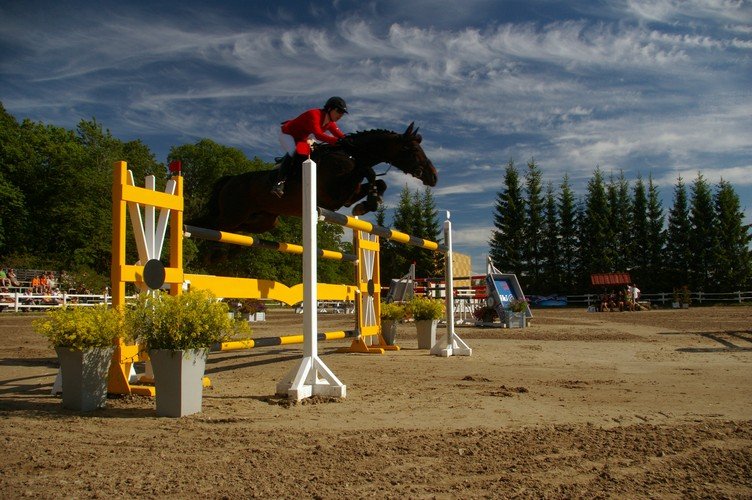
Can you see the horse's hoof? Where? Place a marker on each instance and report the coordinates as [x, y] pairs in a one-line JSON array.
[[359, 209]]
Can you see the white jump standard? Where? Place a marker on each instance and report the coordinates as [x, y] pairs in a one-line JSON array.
[[311, 377]]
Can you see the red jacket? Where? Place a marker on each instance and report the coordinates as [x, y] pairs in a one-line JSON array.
[[308, 123]]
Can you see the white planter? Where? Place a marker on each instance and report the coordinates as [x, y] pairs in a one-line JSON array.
[[426, 332], [259, 316], [84, 375], [389, 331], [515, 320], [178, 377]]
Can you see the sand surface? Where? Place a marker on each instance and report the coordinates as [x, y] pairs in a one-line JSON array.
[[633, 404]]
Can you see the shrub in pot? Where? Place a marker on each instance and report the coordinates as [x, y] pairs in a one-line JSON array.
[[84, 340], [516, 317], [178, 332], [426, 312], [391, 314]]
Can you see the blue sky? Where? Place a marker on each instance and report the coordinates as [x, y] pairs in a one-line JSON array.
[[647, 87]]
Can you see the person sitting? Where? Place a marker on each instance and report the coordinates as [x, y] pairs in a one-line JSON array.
[[13, 278], [296, 136], [4, 280]]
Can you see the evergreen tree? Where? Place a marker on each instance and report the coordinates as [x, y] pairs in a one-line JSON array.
[[733, 259], [596, 235], [508, 239], [678, 251], [533, 228], [407, 217], [703, 241], [654, 276], [639, 237], [430, 230], [550, 251], [619, 216], [569, 244]]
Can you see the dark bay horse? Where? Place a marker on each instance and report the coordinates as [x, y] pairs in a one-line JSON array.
[[245, 202]]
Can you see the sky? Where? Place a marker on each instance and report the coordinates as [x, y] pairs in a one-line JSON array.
[[648, 88]]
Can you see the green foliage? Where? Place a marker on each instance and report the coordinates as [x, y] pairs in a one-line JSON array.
[[518, 305], [392, 311], [193, 320], [80, 328], [424, 308]]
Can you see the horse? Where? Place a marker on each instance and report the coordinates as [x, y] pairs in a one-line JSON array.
[[244, 202]]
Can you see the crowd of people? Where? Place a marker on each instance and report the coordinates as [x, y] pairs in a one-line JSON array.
[[45, 288], [623, 299]]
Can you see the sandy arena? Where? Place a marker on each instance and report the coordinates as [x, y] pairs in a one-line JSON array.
[[646, 404]]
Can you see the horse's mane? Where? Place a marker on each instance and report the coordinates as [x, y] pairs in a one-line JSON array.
[[361, 135]]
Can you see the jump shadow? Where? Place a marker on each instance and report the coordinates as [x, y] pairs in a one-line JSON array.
[[278, 356], [50, 362], [727, 345]]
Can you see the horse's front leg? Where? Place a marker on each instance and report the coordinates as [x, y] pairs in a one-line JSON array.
[[373, 193]]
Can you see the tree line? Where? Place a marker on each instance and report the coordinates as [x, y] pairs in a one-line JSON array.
[[55, 187], [554, 241]]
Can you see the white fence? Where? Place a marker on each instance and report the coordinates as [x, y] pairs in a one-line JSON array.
[[667, 298], [464, 306], [18, 302]]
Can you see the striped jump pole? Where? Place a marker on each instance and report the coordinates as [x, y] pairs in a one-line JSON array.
[[380, 231], [249, 241], [241, 345]]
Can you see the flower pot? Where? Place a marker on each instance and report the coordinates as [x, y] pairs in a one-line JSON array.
[[178, 377], [426, 332], [84, 375], [515, 320], [389, 331], [259, 316]]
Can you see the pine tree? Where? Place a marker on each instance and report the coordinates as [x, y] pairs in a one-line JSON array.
[[638, 239], [507, 239], [533, 229], [569, 243], [656, 237], [550, 255], [733, 259], [678, 251], [596, 236], [619, 223], [406, 218], [703, 241], [430, 230]]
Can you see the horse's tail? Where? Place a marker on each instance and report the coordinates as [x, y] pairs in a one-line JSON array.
[[209, 216]]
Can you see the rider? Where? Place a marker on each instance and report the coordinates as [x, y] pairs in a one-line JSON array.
[[295, 136]]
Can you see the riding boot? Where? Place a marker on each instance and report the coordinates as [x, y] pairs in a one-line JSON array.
[[284, 170]]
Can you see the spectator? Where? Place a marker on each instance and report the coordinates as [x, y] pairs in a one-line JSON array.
[[13, 278], [51, 281], [36, 284], [4, 280]]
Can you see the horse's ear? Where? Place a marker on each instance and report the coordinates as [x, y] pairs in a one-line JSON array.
[[418, 137], [409, 130]]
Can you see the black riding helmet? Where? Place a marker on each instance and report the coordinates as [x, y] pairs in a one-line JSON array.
[[335, 103]]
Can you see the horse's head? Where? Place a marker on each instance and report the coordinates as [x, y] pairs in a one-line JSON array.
[[411, 159], [401, 150]]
